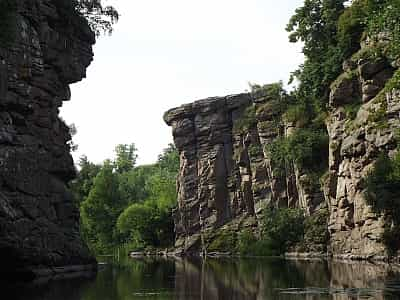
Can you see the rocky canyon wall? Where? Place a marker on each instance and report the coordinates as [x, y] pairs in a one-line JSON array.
[[225, 174], [226, 177], [39, 223], [356, 230]]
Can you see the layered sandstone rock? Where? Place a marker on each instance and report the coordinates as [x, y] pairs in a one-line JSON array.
[[225, 177], [39, 224]]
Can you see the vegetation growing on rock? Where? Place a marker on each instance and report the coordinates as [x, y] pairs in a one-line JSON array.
[[383, 194], [307, 148]]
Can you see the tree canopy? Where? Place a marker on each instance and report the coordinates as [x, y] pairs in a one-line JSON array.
[[125, 204]]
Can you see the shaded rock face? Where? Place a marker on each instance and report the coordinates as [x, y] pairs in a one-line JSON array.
[[224, 173], [39, 224]]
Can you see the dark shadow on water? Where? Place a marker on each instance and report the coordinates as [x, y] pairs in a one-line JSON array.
[[228, 278]]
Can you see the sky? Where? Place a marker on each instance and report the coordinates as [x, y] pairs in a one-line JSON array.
[[163, 54]]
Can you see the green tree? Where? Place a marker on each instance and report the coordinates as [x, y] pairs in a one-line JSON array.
[[137, 224], [169, 159], [83, 183], [283, 228], [101, 209], [315, 24], [133, 184], [124, 204], [125, 157]]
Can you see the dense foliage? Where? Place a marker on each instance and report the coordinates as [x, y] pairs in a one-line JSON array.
[[307, 148], [315, 24], [125, 204], [331, 33], [285, 230]]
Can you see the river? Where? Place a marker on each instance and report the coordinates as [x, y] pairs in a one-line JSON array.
[[224, 278]]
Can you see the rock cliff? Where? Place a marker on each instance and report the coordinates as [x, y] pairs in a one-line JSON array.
[[226, 177], [355, 143], [225, 174], [39, 224]]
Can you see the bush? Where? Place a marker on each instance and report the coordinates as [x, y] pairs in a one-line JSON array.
[[351, 25], [248, 120], [384, 17], [307, 148], [383, 194], [298, 113], [146, 225], [249, 245], [282, 229], [382, 185], [316, 234], [285, 229]]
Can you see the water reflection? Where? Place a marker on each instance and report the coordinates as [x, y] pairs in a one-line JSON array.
[[231, 279]]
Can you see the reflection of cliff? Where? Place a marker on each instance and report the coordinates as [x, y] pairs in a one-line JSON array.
[[264, 278], [345, 275], [246, 279], [213, 279]]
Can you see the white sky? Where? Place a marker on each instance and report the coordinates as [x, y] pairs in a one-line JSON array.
[[166, 53]]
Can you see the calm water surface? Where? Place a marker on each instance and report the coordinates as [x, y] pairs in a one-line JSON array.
[[230, 279]]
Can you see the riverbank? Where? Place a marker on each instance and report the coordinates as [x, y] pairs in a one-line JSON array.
[[174, 253]]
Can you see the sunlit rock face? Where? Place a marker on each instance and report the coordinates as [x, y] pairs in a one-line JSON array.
[[225, 176], [355, 229], [39, 224]]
